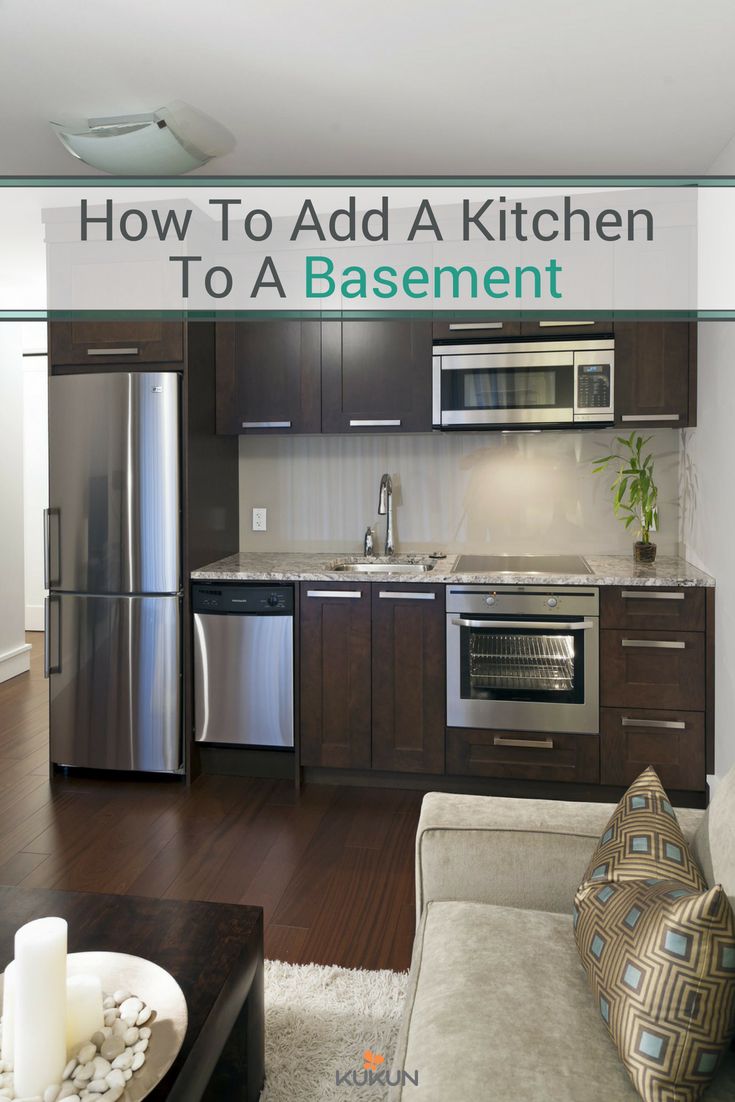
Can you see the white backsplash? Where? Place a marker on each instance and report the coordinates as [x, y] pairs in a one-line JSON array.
[[457, 492]]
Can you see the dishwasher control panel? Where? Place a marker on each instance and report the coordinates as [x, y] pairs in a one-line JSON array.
[[258, 600]]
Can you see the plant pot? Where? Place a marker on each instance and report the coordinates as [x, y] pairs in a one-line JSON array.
[[644, 552]]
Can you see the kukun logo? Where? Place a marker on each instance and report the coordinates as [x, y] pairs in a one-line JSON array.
[[373, 1074]]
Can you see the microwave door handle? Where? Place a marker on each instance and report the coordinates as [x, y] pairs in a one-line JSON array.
[[580, 625]]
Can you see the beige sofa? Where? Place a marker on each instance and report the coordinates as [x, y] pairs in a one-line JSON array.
[[498, 1006]]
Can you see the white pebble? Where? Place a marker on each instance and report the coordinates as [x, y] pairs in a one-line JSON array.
[[130, 1036], [123, 1061], [140, 1046], [114, 1093], [119, 1029], [131, 1006], [128, 1074], [121, 995], [52, 1092], [67, 1089], [97, 1086], [72, 1098], [98, 1039], [84, 1073], [86, 1053], [108, 1003], [111, 1016], [143, 1016], [138, 1061], [115, 1078], [30, 1098], [112, 1048], [101, 1067], [145, 1033]]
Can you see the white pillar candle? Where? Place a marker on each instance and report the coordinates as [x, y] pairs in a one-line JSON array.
[[40, 1006], [84, 1013], [8, 1013]]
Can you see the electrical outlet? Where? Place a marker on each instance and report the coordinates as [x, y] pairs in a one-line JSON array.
[[259, 519]]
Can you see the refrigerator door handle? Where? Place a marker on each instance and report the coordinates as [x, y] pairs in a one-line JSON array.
[[49, 580], [48, 668]]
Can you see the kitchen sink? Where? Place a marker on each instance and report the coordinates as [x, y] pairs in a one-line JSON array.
[[385, 567]]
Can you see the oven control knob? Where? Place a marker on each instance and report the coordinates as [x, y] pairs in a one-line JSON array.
[[552, 602], [490, 600]]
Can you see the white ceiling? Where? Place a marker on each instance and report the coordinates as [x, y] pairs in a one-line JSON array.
[[385, 87]]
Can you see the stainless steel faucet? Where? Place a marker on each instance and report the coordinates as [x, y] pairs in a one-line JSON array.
[[385, 506]]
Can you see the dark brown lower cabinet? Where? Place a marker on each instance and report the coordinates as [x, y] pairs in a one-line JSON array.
[[335, 674], [671, 741], [652, 669], [521, 756], [408, 678]]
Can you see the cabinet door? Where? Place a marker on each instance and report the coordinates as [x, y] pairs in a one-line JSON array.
[[563, 327], [671, 741], [652, 609], [651, 669], [268, 376], [376, 376], [652, 374], [140, 341], [408, 678], [516, 755], [335, 674], [465, 327]]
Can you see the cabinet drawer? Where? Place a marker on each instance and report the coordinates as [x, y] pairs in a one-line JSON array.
[[141, 341], [649, 669], [562, 327], [464, 327], [672, 742], [652, 609], [515, 754]]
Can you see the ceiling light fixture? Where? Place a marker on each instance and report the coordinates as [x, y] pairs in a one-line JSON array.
[[166, 142]]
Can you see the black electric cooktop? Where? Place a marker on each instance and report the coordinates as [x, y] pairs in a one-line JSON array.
[[521, 564]]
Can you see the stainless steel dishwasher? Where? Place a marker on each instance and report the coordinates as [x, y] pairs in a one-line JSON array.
[[244, 665]]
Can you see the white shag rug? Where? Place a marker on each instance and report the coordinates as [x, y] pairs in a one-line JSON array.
[[320, 1019]]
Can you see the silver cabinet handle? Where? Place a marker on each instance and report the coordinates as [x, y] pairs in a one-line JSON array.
[[48, 668], [385, 424], [528, 743], [669, 724], [477, 325], [581, 625], [558, 324], [651, 417], [266, 424], [48, 580], [113, 351], [406, 596], [658, 644], [651, 595], [350, 594]]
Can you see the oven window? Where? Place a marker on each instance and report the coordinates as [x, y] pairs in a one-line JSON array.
[[498, 664], [531, 389]]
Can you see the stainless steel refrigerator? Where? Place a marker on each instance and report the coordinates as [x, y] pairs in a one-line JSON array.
[[114, 575]]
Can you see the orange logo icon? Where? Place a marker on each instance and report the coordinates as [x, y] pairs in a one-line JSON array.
[[373, 1060]]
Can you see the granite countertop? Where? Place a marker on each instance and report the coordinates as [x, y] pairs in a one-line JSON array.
[[273, 566]]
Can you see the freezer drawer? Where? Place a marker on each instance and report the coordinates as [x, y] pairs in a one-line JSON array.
[[115, 682], [113, 520], [243, 680]]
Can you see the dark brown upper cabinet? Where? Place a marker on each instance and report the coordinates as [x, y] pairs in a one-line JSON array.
[[269, 376], [376, 376], [655, 374], [465, 327], [566, 327], [81, 343]]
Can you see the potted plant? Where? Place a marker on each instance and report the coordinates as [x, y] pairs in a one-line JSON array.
[[635, 493]]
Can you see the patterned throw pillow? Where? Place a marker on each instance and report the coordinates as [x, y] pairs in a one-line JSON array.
[[659, 949]]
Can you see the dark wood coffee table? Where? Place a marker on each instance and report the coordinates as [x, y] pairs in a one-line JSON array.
[[214, 951]]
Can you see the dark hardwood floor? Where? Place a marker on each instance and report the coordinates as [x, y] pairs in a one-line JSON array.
[[332, 867]]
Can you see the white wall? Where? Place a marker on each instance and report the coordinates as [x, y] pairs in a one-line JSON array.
[[35, 483], [470, 492], [14, 652]]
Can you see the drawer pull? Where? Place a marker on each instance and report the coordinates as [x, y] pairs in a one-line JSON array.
[[388, 595], [562, 324], [658, 644], [669, 724], [349, 594], [476, 325], [266, 424], [113, 351], [380, 424], [528, 743], [646, 595], [651, 417]]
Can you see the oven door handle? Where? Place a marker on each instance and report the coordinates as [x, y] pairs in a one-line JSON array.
[[581, 625]]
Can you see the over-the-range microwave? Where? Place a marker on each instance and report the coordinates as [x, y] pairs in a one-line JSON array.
[[533, 384]]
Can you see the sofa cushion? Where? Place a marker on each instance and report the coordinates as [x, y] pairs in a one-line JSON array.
[[660, 959], [498, 1007], [714, 841], [643, 839]]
